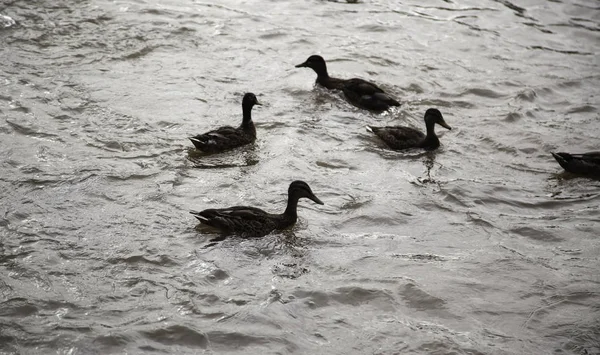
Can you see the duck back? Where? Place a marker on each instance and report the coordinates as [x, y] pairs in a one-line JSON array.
[[364, 94], [225, 138], [247, 222], [586, 163], [399, 137]]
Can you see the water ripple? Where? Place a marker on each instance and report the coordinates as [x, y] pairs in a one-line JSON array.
[[484, 246]]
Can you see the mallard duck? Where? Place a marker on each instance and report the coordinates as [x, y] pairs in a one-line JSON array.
[[586, 163], [228, 137], [399, 137], [254, 222], [359, 92]]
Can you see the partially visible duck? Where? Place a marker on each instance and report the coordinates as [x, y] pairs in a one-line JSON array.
[[359, 92], [586, 163], [228, 137], [253, 222], [399, 137]]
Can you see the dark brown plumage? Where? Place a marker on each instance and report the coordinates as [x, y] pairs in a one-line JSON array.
[[585, 164], [359, 92], [254, 222], [399, 137], [227, 137]]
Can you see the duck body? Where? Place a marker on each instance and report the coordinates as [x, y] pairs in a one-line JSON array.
[[244, 220], [400, 137], [359, 92], [224, 138], [249, 222], [228, 137], [585, 164], [367, 95]]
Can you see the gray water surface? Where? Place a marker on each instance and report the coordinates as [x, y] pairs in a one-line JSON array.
[[484, 246]]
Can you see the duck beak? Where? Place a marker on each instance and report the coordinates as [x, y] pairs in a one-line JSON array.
[[303, 65], [445, 125], [258, 103], [314, 198]]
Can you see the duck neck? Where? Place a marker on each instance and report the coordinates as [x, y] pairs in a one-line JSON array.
[[430, 129], [431, 139], [322, 75], [291, 209], [247, 120]]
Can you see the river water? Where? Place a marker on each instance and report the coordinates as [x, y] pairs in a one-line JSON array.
[[483, 247]]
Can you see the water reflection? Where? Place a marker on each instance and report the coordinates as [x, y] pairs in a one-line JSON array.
[[429, 162], [244, 156]]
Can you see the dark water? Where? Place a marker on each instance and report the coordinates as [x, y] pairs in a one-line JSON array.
[[483, 247]]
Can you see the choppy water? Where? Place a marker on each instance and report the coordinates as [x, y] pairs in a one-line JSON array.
[[483, 247]]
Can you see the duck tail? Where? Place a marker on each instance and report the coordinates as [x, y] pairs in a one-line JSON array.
[[562, 159], [197, 142], [386, 99], [392, 102], [369, 128], [198, 216]]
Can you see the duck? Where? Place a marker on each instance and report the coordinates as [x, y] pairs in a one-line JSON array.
[[227, 137], [250, 222], [585, 163], [399, 137], [359, 92]]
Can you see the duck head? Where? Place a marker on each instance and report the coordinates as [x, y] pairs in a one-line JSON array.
[[433, 116], [299, 189], [250, 100], [316, 63]]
